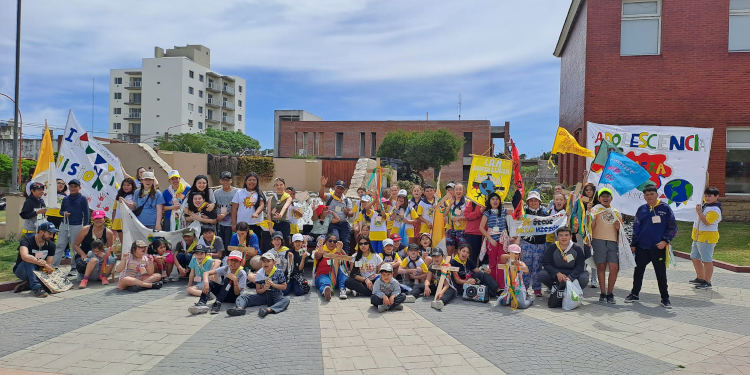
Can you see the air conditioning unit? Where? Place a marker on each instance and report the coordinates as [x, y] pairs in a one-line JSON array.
[[302, 152]]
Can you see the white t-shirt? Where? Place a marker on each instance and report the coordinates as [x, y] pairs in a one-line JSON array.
[[246, 206], [368, 266]]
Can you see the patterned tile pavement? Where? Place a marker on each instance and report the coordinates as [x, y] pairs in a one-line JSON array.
[[104, 331]]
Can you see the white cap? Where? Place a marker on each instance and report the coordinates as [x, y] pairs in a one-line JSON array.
[[174, 173], [366, 198], [386, 267], [387, 242], [533, 194], [235, 255], [148, 175], [402, 193], [298, 237], [269, 255]]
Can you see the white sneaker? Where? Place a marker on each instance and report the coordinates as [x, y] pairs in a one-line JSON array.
[[382, 308], [410, 299], [342, 294], [437, 305], [198, 309], [398, 307]]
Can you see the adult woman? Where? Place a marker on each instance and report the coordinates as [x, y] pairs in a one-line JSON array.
[[248, 204], [126, 192], [53, 214], [136, 269], [278, 206], [494, 230], [469, 274], [533, 246], [328, 273], [148, 203], [139, 176], [198, 210], [366, 264], [200, 186], [456, 223], [473, 215], [89, 233], [578, 213], [32, 208]]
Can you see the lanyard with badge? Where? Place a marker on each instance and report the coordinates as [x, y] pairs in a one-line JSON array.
[[566, 257], [198, 279], [655, 218]]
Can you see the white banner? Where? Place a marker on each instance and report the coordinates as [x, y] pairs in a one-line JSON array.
[[133, 230], [83, 158], [531, 225], [675, 156]]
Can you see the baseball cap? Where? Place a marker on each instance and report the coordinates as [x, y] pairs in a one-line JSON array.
[[74, 181], [277, 234], [225, 174], [341, 184], [98, 214], [450, 185], [366, 198], [413, 246], [513, 248], [386, 267], [174, 173], [395, 237], [200, 248], [436, 251], [236, 255], [533, 194], [402, 193], [148, 175], [37, 186], [425, 234], [298, 237], [604, 190], [141, 243], [319, 209], [387, 242], [188, 233], [47, 227], [270, 255]]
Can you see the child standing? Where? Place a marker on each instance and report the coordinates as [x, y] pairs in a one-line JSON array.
[[270, 282], [386, 291], [705, 237], [605, 228]]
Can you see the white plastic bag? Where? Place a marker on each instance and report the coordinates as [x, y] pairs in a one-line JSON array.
[[573, 295]]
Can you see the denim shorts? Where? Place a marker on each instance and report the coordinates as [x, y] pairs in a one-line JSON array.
[[702, 251]]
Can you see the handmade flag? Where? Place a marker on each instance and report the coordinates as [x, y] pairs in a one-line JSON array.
[[565, 143], [601, 155], [518, 182], [622, 173], [438, 221], [44, 172], [488, 175]]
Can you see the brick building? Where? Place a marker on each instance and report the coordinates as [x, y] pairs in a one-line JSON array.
[[358, 139], [660, 62]]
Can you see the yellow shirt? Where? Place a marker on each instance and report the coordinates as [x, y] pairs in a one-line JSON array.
[[419, 263], [708, 236], [427, 212]]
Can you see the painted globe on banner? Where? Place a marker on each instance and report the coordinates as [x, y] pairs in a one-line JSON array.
[[678, 191]]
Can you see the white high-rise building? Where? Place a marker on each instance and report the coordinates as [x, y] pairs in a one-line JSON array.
[[174, 92]]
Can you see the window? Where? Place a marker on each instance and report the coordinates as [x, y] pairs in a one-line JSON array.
[[239, 103], [200, 93], [640, 28], [467, 146], [191, 74], [316, 143], [738, 161], [239, 88], [362, 144], [190, 90], [118, 80], [118, 110], [200, 109], [200, 77], [373, 144], [117, 126], [339, 144], [200, 125], [239, 117], [739, 25], [190, 106], [466, 171], [118, 95], [190, 122], [295, 143]]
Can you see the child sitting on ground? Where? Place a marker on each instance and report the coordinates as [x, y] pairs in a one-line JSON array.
[[447, 292], [513, 280], [413, 269], [137, 270], [200, 263], [270, 283], [98, 263], [386, 291], [390, 255], [233, 281]]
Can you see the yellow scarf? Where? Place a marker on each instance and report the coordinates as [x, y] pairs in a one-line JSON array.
[[457, 259], [562, 253], [273, 271]]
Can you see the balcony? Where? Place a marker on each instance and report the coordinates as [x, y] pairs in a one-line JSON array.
[[134, 85], [212, 102], [212, 120], [133, 101], [133, 116], [228, 90], [213, 87], [228, 105], [227, 120]]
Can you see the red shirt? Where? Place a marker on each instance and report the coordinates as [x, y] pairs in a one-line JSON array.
[[473, 215]]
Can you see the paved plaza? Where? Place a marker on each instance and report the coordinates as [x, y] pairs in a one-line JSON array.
[[101, 330]]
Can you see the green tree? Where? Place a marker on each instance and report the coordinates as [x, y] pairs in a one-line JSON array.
[[422, 150], [6, 166], [212, 141]]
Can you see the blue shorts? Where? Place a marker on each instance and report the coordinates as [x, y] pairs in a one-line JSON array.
[[702, 251], [376, 246]]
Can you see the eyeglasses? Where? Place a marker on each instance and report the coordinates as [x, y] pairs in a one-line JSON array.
[[364, 243], [330, 241]]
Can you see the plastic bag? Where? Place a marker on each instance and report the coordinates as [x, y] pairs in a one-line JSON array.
[[556, 296], [573, 295]]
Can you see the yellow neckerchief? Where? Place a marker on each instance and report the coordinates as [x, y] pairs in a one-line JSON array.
[[457, 259], [327, 250], [238, 270], [205, 259], [284, 196], [180, 189], [557, 243], [369, 256], [202, 205], [273, 270], [331, 193], [281, 249], [211, 246], [192, 246], [599, 208], [654, 206]]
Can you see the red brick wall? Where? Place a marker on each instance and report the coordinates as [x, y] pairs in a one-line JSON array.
[[480, 130], [694, 82]]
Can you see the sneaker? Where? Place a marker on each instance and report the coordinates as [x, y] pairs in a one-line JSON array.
[[437, 305], [703, 285], [594, 284], [72, 273], [23, 285], [234, 311], [83, 284], [39, 293], [354, 293], [198, 308], [666, 304], [611, 299], [104, 280], [327, 293], [602, 298], [398, 307], [382, 308], [156, 285], [410, 299], [215, 308], [342, 294], [631, 298], [696, 281], [262, 312], [538, 293], [134, 288]]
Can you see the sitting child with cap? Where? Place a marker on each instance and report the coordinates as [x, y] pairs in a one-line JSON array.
[[386, 291], [199, 264], [99, 263], [233, 281], [413, 269], [447, 292], [515, 294], [270, 283]]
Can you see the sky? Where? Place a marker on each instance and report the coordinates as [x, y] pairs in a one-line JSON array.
[[338, 59]]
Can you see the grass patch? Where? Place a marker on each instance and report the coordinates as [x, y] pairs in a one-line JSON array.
[[8, 254], [2, 216], [733, 246]]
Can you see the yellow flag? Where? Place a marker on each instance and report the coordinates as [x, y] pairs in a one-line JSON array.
[[565, 143], [438, 220], [45, 171]]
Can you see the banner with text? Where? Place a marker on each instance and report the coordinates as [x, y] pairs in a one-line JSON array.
[[675, 157], [531, 225], [83, 158], [488, 175]]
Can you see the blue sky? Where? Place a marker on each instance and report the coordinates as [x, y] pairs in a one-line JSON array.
[[339, 59]]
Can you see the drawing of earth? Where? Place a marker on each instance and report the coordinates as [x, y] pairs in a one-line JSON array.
[[678, 191]]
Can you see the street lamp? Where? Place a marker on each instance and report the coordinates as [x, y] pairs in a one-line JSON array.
[[166, 133]]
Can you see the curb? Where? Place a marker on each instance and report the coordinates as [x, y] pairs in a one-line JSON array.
[[8, 286], [718, 263]]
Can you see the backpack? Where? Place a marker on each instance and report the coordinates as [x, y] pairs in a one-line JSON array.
[[556, 295]]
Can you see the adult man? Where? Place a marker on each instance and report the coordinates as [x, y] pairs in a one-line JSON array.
[[342, 206], [563, 260], [173, 195], [75, 211], [654, 227], [36, 251], [224, 196], [82, 243]]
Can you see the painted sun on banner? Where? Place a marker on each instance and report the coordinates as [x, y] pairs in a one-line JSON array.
[[488, 175], [83, 158]]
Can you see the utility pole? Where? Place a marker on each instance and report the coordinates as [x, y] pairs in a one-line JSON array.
[[14, 173]]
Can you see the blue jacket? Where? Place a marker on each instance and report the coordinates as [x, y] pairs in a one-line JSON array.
[[78, 207], [646, 233]]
